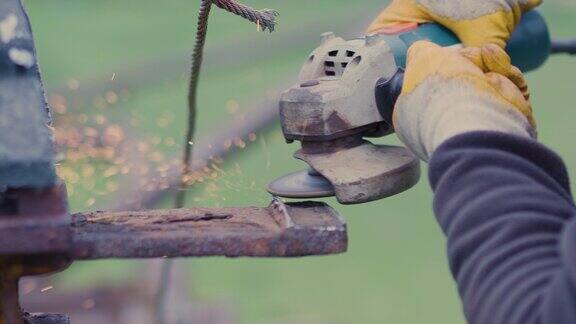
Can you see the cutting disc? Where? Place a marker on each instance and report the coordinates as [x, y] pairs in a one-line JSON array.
[[302, 184]]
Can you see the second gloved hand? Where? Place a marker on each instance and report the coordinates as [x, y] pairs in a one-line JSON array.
[[475, 22], [448, 91]]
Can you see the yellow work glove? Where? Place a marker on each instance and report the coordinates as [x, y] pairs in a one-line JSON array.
[[475, 22], [449, 91]]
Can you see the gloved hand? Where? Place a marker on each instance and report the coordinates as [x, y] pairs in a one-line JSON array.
[[475, 22], [449, 91]]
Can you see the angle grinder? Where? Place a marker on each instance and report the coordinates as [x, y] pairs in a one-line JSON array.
[[346, 93]]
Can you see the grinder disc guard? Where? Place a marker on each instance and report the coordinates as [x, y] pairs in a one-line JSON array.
[[365, 172], [302, 185], [355, 175]]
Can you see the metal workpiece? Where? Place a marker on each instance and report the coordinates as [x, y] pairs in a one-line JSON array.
[[279, 230]]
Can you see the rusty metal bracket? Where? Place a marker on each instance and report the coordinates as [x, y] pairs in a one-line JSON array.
[[280, 230], [34, 220]]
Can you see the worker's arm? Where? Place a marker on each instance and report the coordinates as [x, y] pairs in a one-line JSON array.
[[504, 203], [502, 199]]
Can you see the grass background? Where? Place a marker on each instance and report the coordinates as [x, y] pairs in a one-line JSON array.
[[395, 270]]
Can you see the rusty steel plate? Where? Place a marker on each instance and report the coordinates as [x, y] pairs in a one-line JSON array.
[[279, 230]]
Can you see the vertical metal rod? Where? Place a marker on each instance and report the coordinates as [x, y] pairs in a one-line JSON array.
[[162, 291], [197, 57], [265, 19], [180, 200]]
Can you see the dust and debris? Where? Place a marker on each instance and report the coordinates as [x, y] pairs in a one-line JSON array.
[[45, 289]]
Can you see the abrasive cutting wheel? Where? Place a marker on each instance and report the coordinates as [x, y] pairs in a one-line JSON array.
[[301, 185]]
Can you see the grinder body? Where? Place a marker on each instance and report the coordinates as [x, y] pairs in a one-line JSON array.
[[346, 92]]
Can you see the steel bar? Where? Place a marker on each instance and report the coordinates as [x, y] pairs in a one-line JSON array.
[[279, 230]]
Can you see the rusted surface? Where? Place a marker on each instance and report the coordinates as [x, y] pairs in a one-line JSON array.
[[280, 230]]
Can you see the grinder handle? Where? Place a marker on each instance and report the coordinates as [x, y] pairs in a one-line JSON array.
[[529, 47]]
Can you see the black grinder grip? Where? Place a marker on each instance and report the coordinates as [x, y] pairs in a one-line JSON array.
[[387, 92]]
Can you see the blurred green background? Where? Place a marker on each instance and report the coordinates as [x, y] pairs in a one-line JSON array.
[[395, 270]]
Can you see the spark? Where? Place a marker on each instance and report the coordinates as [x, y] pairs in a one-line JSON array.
[[58, 103], [88, 304], [45, 289], [169, 141], [111, 171], [111, 97], [91, 201], [239, 143], [266, 151], [232, 106], [156, 140], [227, 144], [113, 135], [157, 156], [100, 119], [73, 84]]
